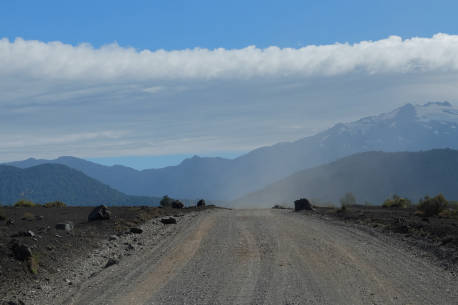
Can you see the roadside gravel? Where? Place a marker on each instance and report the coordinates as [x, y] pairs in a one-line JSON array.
[[254, 257]]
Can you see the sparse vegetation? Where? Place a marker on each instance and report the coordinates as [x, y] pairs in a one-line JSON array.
[[432, 206], [33, 263], [28, 216], [24, 203], [397, 202], [55, 204], [166, 202], [348, 199]]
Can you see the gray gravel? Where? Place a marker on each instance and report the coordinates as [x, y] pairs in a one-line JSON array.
[[258, 257]]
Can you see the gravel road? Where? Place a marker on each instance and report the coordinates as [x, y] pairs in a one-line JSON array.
[[267, 257]]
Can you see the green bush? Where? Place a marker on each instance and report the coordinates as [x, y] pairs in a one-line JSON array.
[[55, 204], [24, 203], [347, 200], [397, 202], [432, 206], [166, 202]]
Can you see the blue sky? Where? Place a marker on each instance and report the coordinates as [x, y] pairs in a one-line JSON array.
[[228, 24], [74, 79]]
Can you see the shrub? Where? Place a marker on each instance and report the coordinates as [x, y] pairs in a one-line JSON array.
[[166, 202], [55, 204], [28, 216], [24, 203], [2, 214], [432, 206], [397, 202], [33, 263], [348, 199], [449, 213]]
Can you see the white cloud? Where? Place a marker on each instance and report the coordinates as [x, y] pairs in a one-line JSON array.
[[55, 60]]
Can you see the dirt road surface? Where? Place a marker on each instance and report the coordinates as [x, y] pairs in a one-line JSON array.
[[268, 257]]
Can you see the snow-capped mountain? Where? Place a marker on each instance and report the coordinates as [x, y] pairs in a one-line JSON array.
[[411, 127], [408, 128]]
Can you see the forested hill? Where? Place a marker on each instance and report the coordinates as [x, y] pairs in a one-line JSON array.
[[370, 176], [50, 182]]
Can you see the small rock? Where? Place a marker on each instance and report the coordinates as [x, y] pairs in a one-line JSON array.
[[19, 302], [136, 230], [111, 262], [67, 226], [39, 217], [68, 281], [113, 237], [30, 233], [169, 220], [10, 222]]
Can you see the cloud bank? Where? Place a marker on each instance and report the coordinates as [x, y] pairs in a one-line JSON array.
[[59, 99], [55, 60]]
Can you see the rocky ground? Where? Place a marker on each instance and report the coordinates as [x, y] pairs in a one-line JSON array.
[[45, 248], [436, 236]]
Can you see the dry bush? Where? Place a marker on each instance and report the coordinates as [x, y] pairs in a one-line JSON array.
[[397, 202], [24, 203], [55, 204], [432, 206], [28, 216]]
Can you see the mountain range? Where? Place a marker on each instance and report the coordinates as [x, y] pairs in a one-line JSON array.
[[51, 182], [408, 128], [369, 176]]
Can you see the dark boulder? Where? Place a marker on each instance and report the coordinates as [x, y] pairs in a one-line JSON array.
[[302, 204], [201, 203], [177, 204], [20, 252], [169, 220], [136, 230], [99, 213]]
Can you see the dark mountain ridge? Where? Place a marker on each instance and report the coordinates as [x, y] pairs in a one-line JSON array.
[[370, 176]]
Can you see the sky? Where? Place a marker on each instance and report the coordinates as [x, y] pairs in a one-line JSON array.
[[148, 83]]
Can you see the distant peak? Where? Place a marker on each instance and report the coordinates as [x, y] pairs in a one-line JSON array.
[[66, 157]]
